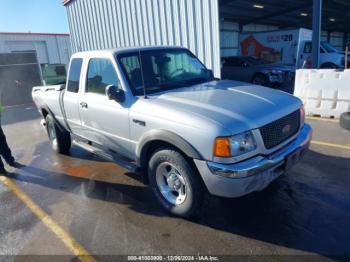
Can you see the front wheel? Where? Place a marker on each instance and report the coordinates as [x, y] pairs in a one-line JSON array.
[[175, 183], [60, 139]]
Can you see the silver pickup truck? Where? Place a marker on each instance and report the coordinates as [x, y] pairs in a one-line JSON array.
[[160, 112]]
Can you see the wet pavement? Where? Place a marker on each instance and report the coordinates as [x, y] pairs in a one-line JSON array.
[[111, 212]]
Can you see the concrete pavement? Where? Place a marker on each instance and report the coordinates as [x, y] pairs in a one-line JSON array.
[[111, 212]]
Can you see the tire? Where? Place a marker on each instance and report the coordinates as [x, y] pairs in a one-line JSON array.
[[259, 79], [345, 120], [329, 66], [60, 139], [175, 183]]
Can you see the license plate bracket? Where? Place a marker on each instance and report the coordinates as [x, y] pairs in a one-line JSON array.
[[291, 159]]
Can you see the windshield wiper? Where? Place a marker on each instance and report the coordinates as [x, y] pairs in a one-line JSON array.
[[195, 81], [163, 87], [172, 85]]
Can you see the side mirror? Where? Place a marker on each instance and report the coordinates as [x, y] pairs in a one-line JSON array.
[[114, 93]]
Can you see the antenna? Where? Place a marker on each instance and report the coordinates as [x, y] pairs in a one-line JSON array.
[[143, 80]]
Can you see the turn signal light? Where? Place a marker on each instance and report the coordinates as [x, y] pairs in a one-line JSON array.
[[302, 115], [222, 147]]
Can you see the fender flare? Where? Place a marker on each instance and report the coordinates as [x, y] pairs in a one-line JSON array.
[[164, 136], [59, 125]]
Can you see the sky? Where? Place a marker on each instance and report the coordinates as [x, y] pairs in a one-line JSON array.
[[36, 16]]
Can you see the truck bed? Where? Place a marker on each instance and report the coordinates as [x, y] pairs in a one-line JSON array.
[[49, 98]]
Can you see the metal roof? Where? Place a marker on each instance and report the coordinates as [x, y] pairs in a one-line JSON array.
[[287, 13], [36, 34], [284, 13]]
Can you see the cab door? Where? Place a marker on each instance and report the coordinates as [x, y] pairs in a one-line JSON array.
[[104, 121], [305, 60], [71, 97]]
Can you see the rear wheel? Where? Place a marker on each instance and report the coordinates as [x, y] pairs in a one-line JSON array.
[[175, 183], [60, 139], [345, 120]]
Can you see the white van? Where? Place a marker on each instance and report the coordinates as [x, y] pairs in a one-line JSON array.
[[293, 47]]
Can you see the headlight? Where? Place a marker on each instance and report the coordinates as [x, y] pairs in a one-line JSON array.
[[235, 145], [242, 144]]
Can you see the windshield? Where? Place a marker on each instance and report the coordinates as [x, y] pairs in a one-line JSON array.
[[254, 61], [162, 69], [328, 47]]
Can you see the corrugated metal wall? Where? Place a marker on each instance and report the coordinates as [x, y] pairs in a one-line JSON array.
[[334, 38], [122, 23], [52, 49]]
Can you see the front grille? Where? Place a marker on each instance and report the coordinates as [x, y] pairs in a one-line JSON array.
[[280, 130]]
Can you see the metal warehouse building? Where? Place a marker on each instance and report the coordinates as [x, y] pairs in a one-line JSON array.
[[210, 28], [30, 59], [50, 48]]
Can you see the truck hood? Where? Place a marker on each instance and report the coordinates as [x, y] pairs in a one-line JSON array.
[[235, 106]]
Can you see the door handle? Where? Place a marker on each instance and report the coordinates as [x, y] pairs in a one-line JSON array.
[[139, 122], [84, 105]]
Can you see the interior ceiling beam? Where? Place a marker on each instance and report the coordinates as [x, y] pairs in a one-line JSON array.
[[225, 2], [278, 13]]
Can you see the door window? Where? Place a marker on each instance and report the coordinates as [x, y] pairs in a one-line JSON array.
[[101, 73], [74, 75], [308, 48]]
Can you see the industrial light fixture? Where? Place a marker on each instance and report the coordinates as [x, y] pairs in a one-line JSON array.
[[258, 6], [304, 14], [332, 19]]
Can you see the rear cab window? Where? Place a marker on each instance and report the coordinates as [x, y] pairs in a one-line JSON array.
[[74, 75]]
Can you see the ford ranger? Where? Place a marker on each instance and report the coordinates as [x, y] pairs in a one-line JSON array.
[[160, 112]]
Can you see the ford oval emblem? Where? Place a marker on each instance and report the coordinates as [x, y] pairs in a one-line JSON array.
[[286, 129]]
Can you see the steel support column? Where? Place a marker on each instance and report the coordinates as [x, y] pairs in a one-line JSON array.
[[316, 32]]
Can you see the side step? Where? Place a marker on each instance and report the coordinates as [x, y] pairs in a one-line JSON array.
[[113, 157]]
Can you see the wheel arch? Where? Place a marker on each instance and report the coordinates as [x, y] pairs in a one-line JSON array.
[[45, 110], [162, 138]]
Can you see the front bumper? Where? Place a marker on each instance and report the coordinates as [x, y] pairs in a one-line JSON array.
[[257, 172]]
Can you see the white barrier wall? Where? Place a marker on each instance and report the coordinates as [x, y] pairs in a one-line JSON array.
[[325, 92]]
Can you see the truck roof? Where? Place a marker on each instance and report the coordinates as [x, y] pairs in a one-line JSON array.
[[114, 51]]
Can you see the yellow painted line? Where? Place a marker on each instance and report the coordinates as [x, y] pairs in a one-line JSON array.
[[68, 240], [332, 120], [320, 143]]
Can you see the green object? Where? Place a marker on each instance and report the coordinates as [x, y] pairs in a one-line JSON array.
[[53, 74], [1, 108]]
